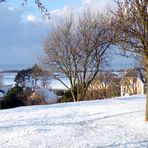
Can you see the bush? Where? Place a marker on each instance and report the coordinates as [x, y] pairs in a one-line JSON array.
[[11, 98], [67, 97]]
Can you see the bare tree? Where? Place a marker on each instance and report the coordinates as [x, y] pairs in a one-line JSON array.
[[78, 48], [131, 28]]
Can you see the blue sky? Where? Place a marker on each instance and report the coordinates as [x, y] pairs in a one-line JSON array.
[[22, 29]]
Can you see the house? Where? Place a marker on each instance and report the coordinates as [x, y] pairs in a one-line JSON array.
[[29, 82], [37, 83], [133, 83], [105, 85]]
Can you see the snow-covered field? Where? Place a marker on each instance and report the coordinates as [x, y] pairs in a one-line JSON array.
[[117, 123]]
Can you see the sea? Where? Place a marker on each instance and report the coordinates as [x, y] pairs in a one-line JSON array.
[[14, 66], [8, 77], [7, 74]]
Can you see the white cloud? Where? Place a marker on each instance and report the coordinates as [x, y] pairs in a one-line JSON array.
[[31, 18], [10, 8], [97, 4], [55, 11], [86, 1], [93, 4], [61, 12]]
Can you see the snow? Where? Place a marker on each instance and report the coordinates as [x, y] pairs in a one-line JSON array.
[[6, 88], [8, 78], [49, 96], [117, 123], [1, 95], [55, 84]]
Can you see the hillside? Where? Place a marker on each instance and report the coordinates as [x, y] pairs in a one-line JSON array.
[[117, 122]]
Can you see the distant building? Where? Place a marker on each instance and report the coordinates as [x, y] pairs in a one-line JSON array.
[[133, 82], [30, 82], [131, 86]]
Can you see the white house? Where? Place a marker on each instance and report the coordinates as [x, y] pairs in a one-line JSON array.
[[31, 83]]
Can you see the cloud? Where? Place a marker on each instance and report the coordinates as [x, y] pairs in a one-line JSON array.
[[93, 4], [10, 8], [31, 18], [86, 1], [22, 32], [57, 13], [97, 4], [21, 35]]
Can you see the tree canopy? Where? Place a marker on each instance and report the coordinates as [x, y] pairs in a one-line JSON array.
[[33, 72], [78, 48]]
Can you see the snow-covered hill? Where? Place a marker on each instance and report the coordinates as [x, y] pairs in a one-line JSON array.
[[117, 123]]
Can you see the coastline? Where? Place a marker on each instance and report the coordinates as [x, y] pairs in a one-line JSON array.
[[14, 67]]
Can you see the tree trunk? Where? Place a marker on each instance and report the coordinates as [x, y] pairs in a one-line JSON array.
[[146, 65], [73, 95]]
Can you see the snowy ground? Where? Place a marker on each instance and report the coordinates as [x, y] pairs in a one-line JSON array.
[[117, 123]]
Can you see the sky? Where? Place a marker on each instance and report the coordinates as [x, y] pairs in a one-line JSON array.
[[23, 29]]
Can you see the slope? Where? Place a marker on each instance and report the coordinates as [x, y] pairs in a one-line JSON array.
[[117, 122]]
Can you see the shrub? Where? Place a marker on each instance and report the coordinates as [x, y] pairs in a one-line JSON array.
[[11, 98], [67, 97]]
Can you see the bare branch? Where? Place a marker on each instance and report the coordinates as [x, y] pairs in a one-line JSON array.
[[41, 6], [78, 49]]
